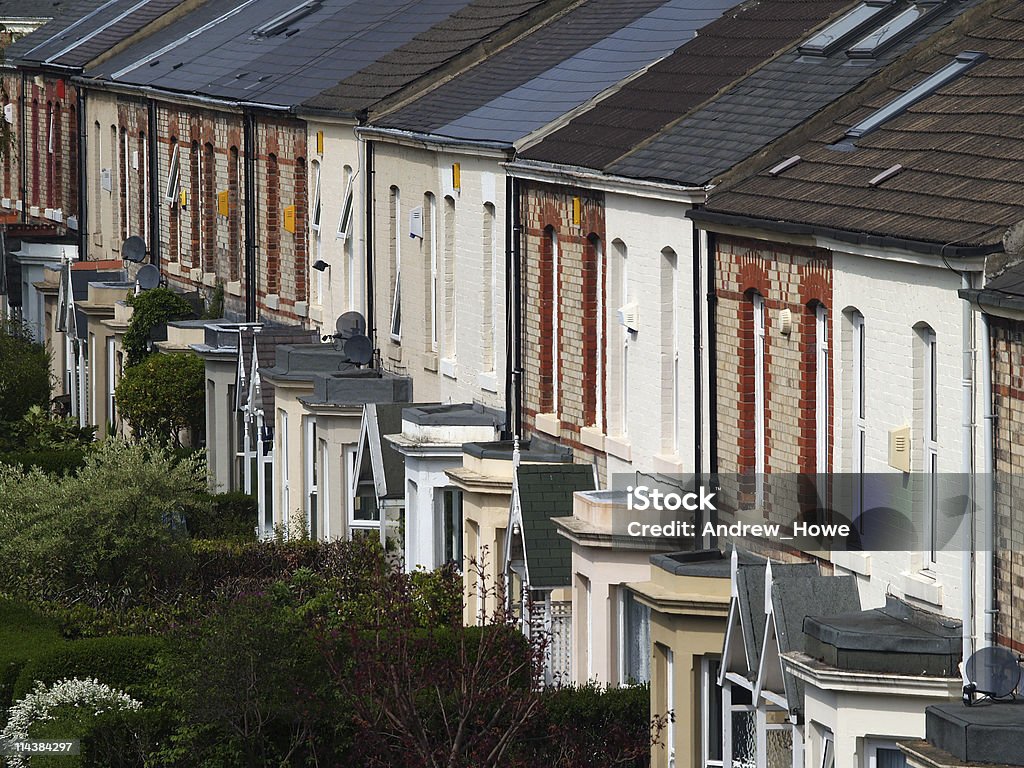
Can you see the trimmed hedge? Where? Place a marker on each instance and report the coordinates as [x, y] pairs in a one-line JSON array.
[[231, 516], [120, 662], [58, 462], [24, 637]]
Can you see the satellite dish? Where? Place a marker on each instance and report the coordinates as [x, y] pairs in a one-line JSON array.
[[351, 324], [993, 672], [133, 249], [148, 277], [359, 349]]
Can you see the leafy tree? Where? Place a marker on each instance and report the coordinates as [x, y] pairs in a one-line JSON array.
[[24, 371], [107, 535], [151, 308], [40, 431], [163, 395]]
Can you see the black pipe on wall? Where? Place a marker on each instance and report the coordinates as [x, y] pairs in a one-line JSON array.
[[251, 275]]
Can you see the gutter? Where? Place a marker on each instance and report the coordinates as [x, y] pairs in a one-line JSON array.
[[431, 141], [162, 94], [706, 217], [574, 175]]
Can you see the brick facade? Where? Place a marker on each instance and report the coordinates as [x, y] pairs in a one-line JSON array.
[[787, 277], [549, 209], [1008, 400]]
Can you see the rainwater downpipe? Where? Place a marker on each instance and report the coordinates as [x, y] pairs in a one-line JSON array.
[[249, 149], [988, 448], [509, 292], [967, 470], [371, 321]]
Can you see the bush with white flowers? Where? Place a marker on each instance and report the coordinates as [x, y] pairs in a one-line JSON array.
[[37, 706]]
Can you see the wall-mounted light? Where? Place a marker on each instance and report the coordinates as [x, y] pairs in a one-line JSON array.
[[320, 265]]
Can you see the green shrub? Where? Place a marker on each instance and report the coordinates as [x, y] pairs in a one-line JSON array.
[[121, 662], [163, 395], [52, 462], [124, 739], [151, 308], [230, 516], [24, 372], [24, 636]]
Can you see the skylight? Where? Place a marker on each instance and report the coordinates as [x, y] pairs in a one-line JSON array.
[[846, 27], [280, 23], [922, 90], [892, 31]]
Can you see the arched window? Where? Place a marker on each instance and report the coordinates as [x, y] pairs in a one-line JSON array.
[[671, 415], [450, 315], [395, 260]]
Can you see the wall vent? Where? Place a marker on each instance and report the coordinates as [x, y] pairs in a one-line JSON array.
[[899, 448], [629, 316]]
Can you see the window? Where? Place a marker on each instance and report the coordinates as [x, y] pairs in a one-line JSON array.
[[845, 28], [757, 306], [892, 31], [234, 220], [711, 712], [928, 409], [857, 412], [171, 190], [618, 290], [552, 245], [450, 316], [828, 751], [634, 640], [395, 244], [593, 337], [112, 373], [488, 286], [314, 216], [347, 204], [144, 186], [312, 460], [208, 210], [323, 489], [884, 754], [126, 186], [285, 497], [670, 706], [450, 528], [430, 242], [821, 389], [347, 242], [670, 406], [363, 513]]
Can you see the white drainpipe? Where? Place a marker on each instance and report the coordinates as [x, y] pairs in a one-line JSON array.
[[987, 558], [967, 470]]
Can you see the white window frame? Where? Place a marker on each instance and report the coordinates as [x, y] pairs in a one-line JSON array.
[[111, 380], [930, 442], [145, 188], [871, 750], [311, 471], [599, 421], [670, 705], [441, 519], [49, 135], [758, 308], [859, 410], [200, 204], [284, 495], [821, 384], [396, 302], [315, 213], [555, 302], [828, 750], [323, 496], [451, 299], [432, 246], [126, 175], [347, 209], [173, 177], [708, 681]]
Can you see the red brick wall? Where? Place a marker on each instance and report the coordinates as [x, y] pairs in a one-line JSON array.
[[546, 208]]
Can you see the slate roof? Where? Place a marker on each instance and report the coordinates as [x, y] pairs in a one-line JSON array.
[[556, 69], [545, 491], [88, 30], [750, 586], [722, 52], [371, 48], [388, 421], [961, 151], [780, 96], [267, 339], [31, 9], [794, 597]]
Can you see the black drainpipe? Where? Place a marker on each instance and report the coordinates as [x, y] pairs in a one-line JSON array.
[[249, 142], [712, 357], [698, 372], [154, 185], [371, 321], [506, 433], [83, 187]]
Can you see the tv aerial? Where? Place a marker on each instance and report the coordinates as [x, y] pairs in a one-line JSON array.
[[992, 673], [148, 277], [133, 249]]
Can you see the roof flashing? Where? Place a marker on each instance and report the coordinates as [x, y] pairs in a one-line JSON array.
[[282, 22]]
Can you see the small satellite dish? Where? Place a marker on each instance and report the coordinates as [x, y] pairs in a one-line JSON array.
[[359, 349], [148, 277], [994, 672], [133, 249], [351, 324]]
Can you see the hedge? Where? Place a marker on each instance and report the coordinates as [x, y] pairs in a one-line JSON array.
[[60, 462], [120, 662], [231, 516], [24, 636]]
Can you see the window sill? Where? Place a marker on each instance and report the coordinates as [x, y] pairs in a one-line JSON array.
[[449, 368], [592, 437], [856, 562], [233, 288], [549, 424], [301, 309], [488, 381], [619, 447], [923, 587], [395, 350], [196, 275], [430, 362], [668, 464], [272, 300]]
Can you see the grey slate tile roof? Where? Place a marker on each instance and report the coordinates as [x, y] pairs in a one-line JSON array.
[[961, 150], [267, 339], [545, 491], [722, 52], [88, 31], [556, 69], [32, 9], [382, 45], [794, 598], [771, 101], [750, 587]]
